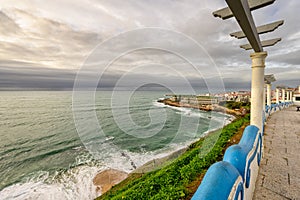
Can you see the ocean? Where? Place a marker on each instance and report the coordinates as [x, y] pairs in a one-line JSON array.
[[48, 151]]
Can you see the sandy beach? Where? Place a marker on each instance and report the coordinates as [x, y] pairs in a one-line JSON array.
[[106, 179]]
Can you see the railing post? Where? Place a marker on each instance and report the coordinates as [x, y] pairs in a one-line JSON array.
[[257, 86]]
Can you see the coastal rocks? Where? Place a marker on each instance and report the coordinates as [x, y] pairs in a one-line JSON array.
[[213, 107], [237, 112], [108, 178], [179, 104]]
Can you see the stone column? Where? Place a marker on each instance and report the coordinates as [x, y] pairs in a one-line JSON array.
[[257, 86], [269, 91], [283, 95], [277, 95]]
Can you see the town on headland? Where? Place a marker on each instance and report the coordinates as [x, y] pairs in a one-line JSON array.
[[235, 103]]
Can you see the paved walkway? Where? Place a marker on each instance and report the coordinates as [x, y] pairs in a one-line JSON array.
[[279, 174]]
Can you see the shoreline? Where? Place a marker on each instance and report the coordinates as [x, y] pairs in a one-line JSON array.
[[113, 177], [208, 108], [106, 179]]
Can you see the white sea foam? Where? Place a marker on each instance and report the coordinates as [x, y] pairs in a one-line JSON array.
[[157, 104], [76, 183], [189, 112], [223, 121]]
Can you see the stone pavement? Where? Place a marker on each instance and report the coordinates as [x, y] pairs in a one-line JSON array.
[[279, 173]]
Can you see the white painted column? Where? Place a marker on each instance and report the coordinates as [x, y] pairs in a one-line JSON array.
[[257, 86], [283, 95], [264, 98], [277, 95], [269, 91], [291, 96]]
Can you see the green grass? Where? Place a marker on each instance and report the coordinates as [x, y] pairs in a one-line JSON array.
[[235, 105], [171, 181]]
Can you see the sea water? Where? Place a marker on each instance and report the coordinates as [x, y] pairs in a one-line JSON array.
[[44, 156]]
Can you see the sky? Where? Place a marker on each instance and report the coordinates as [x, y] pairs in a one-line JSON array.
[[45, 46]]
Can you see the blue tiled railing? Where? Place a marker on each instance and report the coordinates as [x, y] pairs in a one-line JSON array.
[[213, 184], [235, 176], [278, 106]]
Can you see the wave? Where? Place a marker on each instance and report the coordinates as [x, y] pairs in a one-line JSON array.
[[187, 112], [74, 183], [191, 112], [76, 180]]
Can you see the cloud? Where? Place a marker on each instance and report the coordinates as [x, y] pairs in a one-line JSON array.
[[43, 41], [50, 42], [8, 26]]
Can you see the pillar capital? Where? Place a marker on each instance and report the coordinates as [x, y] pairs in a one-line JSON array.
[[259, 54], [258, 59]]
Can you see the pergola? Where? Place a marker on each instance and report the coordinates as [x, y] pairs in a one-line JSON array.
[[241, 10]]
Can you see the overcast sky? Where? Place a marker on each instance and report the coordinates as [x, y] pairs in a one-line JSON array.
[[45, 44]]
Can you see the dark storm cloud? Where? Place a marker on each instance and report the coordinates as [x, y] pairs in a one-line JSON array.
[[34, 77]]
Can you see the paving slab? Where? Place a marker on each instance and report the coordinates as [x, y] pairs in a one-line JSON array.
[[279, 173]]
